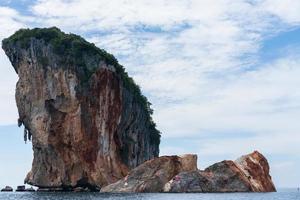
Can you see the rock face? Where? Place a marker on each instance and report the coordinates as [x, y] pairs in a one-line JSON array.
[[152, 175], [221, 177], [88, 120], [249, 173], [256, 167]]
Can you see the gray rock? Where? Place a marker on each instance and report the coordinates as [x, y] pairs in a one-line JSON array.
[[7, 189], [192, 181], [21, 188]]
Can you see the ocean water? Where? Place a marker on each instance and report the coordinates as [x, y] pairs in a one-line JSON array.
[[281, 195]]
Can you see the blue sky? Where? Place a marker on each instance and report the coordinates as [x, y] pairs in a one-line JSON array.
[[223, 76]]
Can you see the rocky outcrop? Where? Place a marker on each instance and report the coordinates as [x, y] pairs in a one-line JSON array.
[[256, 168], [221, 177], [21, 188], [152, 175], [249, 173], [88, 121], [7, 189]]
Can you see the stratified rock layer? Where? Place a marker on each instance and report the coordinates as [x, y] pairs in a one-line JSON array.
[[249, 173], [152, 175], [88, 120]]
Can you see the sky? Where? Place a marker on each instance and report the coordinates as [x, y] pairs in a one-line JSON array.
[[222, 75]]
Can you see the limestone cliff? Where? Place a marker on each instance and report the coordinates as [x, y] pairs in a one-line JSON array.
[[88, 120]]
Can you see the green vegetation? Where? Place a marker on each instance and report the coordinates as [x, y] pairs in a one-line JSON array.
[[76, 51], [72, 48], [43, 60]]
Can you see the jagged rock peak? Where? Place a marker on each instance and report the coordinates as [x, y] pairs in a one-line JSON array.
[[89, 122], [256, 168]]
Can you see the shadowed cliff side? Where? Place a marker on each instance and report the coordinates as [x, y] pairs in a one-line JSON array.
[[88, 120]]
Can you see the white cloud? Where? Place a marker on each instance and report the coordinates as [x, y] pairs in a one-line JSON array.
[[10, 21], [287, 10], [263, 100], [113, 13], [8, 81]]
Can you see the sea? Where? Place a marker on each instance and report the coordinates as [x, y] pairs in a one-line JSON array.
[[286, 194]]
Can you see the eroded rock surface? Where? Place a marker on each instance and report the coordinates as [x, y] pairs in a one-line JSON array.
[[256, 168], [249, 173], [88, 120], [152, 175]]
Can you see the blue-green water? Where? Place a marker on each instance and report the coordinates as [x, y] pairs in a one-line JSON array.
[[281, 195]]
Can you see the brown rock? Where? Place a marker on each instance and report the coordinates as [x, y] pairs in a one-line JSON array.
[[250, 173], [256, 168], [88, 120], [224, 176], [152, 175]]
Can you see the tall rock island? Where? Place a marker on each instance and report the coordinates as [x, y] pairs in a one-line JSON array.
[[88, 120]]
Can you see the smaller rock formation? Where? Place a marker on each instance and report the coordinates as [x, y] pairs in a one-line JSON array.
[[224, 176], [250, 173], [256, 168], [7, 189], [21, 188], [152, 175]]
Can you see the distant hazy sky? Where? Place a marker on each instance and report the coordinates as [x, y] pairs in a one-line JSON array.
[[223, 75]]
